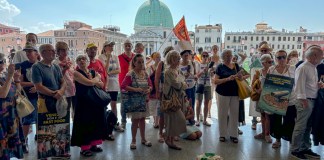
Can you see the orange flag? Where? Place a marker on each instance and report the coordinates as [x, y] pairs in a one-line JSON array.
[[180, 30]]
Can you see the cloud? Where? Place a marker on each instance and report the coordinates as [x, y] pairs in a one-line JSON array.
[[40, 27], [8, 11]]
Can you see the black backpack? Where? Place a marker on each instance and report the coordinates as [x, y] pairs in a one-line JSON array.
[[111, 120]]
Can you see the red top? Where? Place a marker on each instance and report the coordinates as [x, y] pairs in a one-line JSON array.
[[124, 62], [100, 68]]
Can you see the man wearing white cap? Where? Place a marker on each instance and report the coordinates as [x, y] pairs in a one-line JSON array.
[[124, 61]]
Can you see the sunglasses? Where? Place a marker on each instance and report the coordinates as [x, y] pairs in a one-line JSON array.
[[269, 62], [264, 50], [205, 56], [281, 57]]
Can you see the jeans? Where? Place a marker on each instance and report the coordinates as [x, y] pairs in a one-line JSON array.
[[301, 136], [191, 95], [191, 92]]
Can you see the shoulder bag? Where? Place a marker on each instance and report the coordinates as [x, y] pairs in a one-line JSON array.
[[134, 101], [23, 105]]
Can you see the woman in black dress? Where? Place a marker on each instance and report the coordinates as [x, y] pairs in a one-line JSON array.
[[89, 122]]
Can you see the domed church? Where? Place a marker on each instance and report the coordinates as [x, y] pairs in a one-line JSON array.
[[153, 26]]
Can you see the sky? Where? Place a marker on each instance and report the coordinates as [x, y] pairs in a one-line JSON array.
[[235, 15]]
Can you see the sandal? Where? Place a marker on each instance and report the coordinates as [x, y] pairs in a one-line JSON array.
[[268, 139], [234, 139], [175, 147], [206, 124], [259, 136], [161, 138], [147, 143], [222, 139], [95, 149], [276, 144], [240, 132], [132, 145], [86, 153]]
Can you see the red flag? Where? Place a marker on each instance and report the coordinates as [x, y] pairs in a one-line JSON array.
[[180, 30]]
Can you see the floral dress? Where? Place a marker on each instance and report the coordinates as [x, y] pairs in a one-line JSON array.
[[133, 80], [11, 135]]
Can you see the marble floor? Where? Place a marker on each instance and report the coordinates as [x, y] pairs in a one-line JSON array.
[[247, 149]]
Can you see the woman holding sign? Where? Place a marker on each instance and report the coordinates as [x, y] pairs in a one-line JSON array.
[[283, 126]]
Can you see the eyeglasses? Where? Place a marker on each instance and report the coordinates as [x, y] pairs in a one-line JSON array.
[[281, 57]]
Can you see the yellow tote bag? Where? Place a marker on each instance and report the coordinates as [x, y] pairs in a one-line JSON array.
[[244, 90]]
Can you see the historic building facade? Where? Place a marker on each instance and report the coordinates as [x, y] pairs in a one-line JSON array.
[[153, 27], [248, 41], [208, 35]]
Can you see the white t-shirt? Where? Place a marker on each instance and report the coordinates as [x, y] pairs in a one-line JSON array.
[[113, 84], [190, 80], [204, 76]]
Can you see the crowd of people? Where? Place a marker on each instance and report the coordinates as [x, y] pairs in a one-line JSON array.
[[147, 85]]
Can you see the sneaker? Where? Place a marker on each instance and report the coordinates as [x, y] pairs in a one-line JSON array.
[[298, 155], [310, 154]]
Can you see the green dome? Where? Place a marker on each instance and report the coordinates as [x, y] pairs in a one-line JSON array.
[[153, 13]]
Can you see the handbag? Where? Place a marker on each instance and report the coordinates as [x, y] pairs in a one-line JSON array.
[[254, 95], [134, 101], [23, 105], [170, 102], [98, 96], [244, 90]]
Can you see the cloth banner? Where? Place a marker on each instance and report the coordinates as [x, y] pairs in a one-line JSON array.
[[180, 30]]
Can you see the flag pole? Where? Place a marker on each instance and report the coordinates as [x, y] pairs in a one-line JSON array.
[[165, 41]]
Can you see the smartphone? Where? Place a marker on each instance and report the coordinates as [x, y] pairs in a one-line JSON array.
[[211, 64]]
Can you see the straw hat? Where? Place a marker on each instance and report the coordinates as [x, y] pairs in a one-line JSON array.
[[264, 47]]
